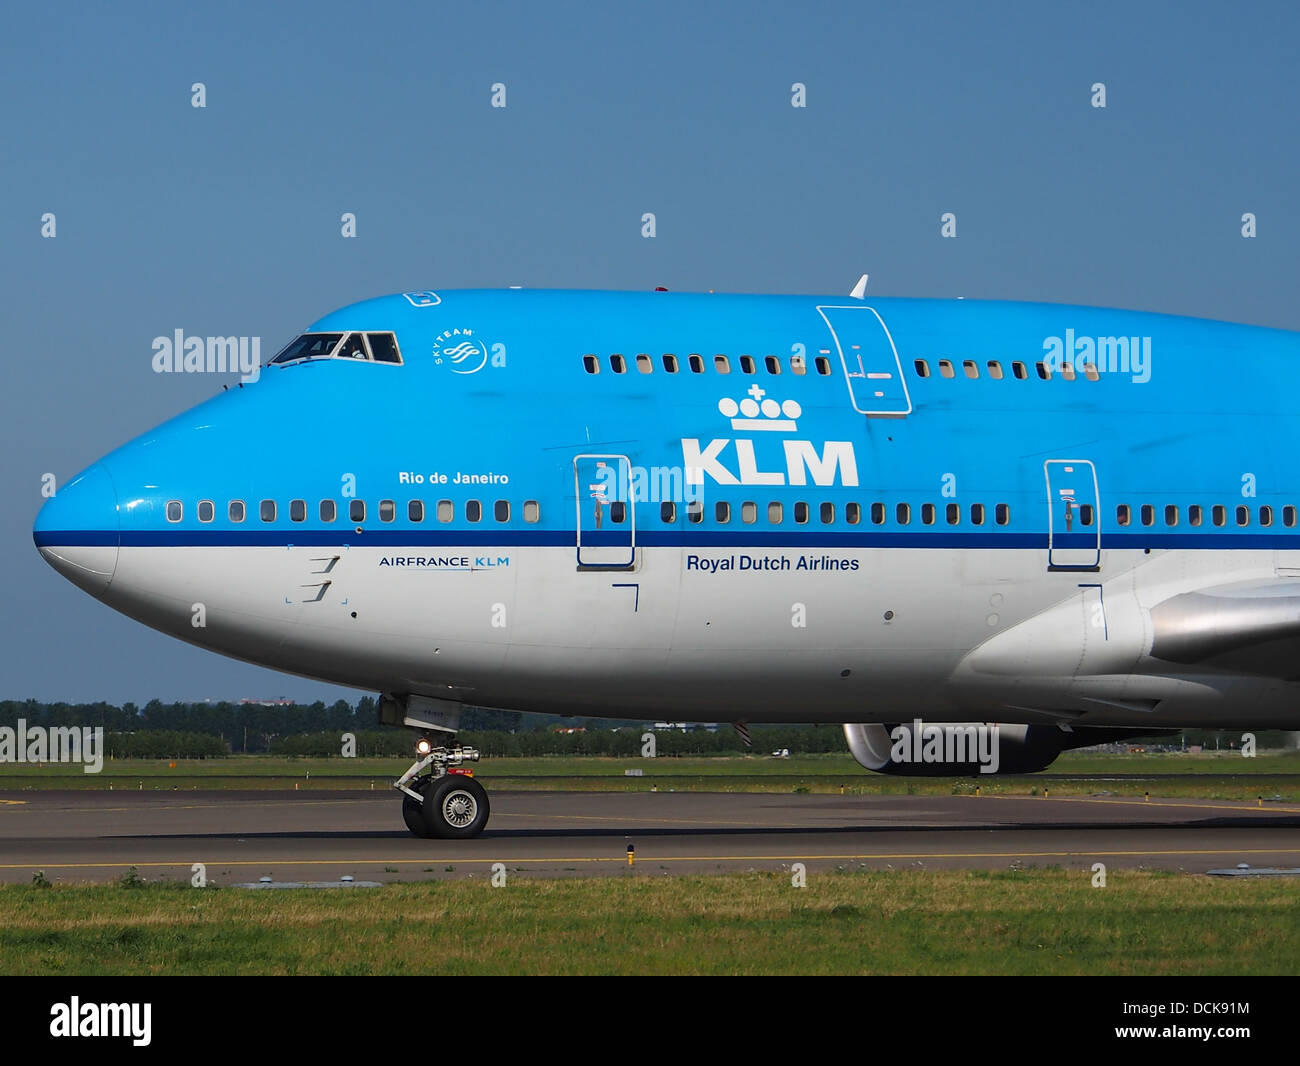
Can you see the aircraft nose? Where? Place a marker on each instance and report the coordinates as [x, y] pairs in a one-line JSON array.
[[76, 530]]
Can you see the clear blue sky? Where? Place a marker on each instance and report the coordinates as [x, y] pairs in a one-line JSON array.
[[225, 220]]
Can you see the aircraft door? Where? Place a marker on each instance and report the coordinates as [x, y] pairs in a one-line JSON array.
[[606, 512], [868, 360], [1073, 515]]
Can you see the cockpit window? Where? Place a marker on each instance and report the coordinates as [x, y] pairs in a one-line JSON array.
[[353, 348], [383, 347], [309, 346], [376, 347]]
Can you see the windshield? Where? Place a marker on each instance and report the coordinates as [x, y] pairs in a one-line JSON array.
[[309, 346]]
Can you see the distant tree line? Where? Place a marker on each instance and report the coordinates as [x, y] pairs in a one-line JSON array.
[[626, 741], [240, 727], [209, 730]]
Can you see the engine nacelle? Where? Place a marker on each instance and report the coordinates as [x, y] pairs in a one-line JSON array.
[[945, 749]]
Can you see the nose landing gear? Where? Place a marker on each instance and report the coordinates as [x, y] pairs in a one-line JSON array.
[[445, 801]]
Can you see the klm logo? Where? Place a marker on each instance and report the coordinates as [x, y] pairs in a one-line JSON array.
[[737, 461]]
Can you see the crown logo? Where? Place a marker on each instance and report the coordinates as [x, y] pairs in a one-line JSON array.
[[754, 405]]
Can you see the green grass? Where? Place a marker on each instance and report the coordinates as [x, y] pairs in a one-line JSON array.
[[1206, 776], [1034, 921]]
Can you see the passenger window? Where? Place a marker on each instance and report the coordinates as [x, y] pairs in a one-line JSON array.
[[801, 513], [644, 363], [1085, 514], [927, 514], [1171, 514], [353, 348], [1218, 514], [945, 368], [532, 511], [1265, 515], [977, 514], [1067, 370], [357, 511], [618, 364], [775, 513], [877, 514], [954, 513], [797, 365], [995, 370], [670, 364], [922, 368], [695, 512], [174, 510], [446, 510], [827, 513], [853, 513], [722, 512], [1002, 514], [266, 510], [1243, 515], [721, 364], [591, 364], [749, 513], [383, 348], [387, 510], [823, 366], [972, 370], [415, 510], [617, 512], [1288, 515], [297, 510], [328, 511], [773, 364], [668, 512], [206, 511], [473, 511], [747, 365], [1018, 370], [1122, 514], [1044, 371], [501, 509], [903, 514], [1194, 514], [697, 363], [1148, 514], [1090, 372], [236, 510]]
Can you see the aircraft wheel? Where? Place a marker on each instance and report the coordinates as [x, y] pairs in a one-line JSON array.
[[456, 808], [413, 811]]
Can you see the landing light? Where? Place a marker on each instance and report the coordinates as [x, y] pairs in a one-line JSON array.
[[423, 746]]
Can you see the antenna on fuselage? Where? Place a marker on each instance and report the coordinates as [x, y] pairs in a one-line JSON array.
[[860, 289]]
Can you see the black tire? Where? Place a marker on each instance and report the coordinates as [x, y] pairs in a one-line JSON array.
[[413, 810], [456, 808]]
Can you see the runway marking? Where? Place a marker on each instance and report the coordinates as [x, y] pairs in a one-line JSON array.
[[1189, 804], [625, 818], [654, 858], [12, 803], [144, 809]]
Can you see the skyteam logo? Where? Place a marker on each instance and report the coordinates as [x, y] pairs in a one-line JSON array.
[[460, 350], [799, 461], [423, 299]]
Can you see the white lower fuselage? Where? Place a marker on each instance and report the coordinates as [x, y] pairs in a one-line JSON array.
[[744, 634]]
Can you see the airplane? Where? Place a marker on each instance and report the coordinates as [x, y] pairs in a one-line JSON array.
[[1060, 523]]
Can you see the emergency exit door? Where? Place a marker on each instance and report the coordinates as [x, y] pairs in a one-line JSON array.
[[1073, 515], [868, 360], [606, 512]]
